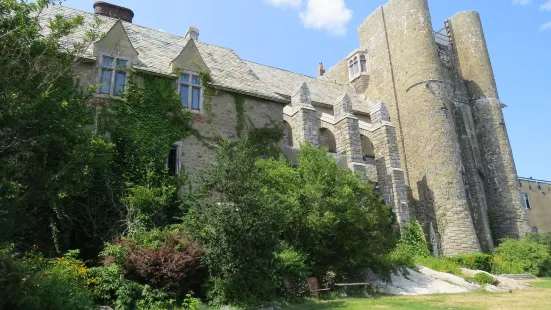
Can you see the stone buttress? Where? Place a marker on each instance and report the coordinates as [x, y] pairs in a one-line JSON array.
[[304, 118], [506, 214]]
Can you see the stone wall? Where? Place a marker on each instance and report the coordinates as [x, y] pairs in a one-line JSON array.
[[198, 153]]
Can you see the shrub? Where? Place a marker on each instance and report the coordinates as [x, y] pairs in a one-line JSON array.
[[403, 255], [166, 260], [519, 256], [475, 261], [34, 282], [484, 278], [291, 264], [544, 239], [414, 236], [441, 264]]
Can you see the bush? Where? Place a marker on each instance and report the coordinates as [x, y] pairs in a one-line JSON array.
[[414, 236], [484, 278], [291, 264], [519, 256], [545, 240], [34, 282], [441, 264], [475, 261]]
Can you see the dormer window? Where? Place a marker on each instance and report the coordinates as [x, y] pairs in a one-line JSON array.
[[113, 75], [190, 91], [357, 64]]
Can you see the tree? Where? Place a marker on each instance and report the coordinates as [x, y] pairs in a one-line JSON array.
[[256, 217], [332, 216], [46, 152]]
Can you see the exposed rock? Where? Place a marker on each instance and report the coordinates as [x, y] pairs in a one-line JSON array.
[[427, 281]]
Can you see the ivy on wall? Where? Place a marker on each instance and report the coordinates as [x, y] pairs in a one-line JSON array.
[[239, 109]]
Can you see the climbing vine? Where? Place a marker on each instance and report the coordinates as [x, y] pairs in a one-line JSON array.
[[239, 109], [209, 92]]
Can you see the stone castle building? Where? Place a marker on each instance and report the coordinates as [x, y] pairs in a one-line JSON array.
[[413, 110]]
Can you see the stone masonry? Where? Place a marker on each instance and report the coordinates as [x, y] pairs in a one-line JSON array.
[[420, 117]]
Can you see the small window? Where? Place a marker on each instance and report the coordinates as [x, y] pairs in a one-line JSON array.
[[538, 185], [113, 75], [174, 160], [357, 64], [526, 201], [190, 91], [534, 229]]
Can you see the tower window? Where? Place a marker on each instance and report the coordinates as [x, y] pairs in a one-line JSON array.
[[526, 201], [357, 64]]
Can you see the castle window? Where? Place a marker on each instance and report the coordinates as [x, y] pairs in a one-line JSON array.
[[173, 163], [113, 74], [190, 91], [534, 229], [526, 201], [357, 64]]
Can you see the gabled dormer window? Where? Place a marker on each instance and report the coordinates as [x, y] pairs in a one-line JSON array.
[[113, 75], [190, 91], [357, 64]]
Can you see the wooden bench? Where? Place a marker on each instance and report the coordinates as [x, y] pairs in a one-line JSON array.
[[343, 286]]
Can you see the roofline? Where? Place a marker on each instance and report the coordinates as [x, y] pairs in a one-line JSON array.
[[240, 91], [534, 180]]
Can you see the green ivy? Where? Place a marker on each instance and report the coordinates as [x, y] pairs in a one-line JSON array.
[[239, 109], [209, 92]]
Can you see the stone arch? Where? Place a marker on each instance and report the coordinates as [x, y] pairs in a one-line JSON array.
[[368, 150], [287, 134], [327, 140]]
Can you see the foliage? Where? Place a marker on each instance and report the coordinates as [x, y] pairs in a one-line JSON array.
[[238, 226], [442, 264], [329, 214], [34, 282], [47, 155], [414, 236], [403, 256], [209, 92], [316, 217], [519, 256], [475, 261], [482, 279], [544, 239], [291, 264]]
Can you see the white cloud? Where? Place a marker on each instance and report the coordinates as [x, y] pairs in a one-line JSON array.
[[296, 4], [546, 6], [329, 15], [546, 26], [522, 2]]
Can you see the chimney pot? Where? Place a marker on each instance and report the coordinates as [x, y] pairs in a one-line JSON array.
[[114, 11], [192, 33], [321, 70]]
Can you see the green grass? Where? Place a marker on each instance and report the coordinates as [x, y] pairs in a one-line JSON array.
[[542, 283], [538, 297], [433, 302]]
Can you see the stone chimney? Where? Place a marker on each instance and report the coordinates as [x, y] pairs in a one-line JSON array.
[[321, 71], [114, 11], [192, 33]]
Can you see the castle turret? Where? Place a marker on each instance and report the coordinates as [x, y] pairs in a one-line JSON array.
[[429, 145], [507, 217]]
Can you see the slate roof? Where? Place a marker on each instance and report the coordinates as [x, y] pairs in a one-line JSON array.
[[157, 49]]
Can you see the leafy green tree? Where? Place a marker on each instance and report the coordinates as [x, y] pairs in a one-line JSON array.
[[238, 224], [46, 152], [329, 214]]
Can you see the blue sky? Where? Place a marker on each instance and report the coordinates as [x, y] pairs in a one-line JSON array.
[[298, 34]]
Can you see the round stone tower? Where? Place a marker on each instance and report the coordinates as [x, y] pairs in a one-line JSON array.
[[506, 213], [430, 144]]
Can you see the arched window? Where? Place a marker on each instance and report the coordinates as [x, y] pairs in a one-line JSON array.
[[327, 140], [368, 151], [288, 134]]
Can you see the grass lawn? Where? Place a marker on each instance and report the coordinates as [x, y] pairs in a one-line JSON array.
[[538, 297]]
